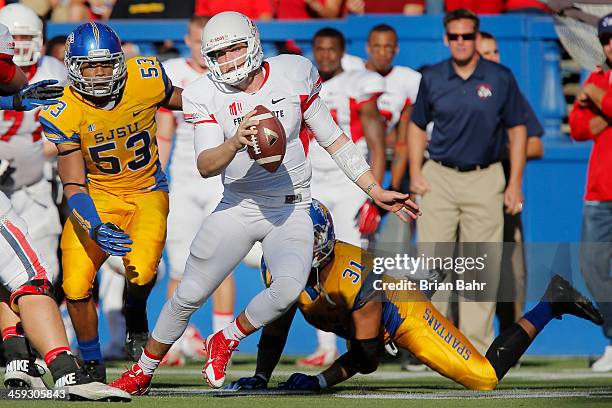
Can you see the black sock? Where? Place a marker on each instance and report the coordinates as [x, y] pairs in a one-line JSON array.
[[507, 348], [16, 348], [135, 307], [64, 364]]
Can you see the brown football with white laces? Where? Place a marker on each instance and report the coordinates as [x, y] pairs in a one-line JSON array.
[[270, 140]]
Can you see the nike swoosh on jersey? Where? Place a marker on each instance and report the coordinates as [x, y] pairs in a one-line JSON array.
[[277, 100]]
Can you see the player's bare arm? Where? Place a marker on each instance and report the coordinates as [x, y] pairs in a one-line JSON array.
[[398, 203], [513, 196], [417, 141], [374, 133], [18, 81], [366, 326], [71, 169], [175, 100], [399, 166], [211, 162]]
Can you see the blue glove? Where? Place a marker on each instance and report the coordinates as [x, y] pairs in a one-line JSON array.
[[111, 239], [301, 382], [32, 96], [257, 382]]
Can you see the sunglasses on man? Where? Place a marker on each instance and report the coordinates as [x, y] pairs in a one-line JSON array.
[[605, 38], [464, 37]]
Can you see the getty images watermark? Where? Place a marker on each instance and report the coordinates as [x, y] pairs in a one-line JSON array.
[[403, 272]]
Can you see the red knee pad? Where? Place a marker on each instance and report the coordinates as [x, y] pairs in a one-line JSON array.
[[32, 287]]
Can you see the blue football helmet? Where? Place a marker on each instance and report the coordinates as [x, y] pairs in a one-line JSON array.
[[95, 42], [324, 236]]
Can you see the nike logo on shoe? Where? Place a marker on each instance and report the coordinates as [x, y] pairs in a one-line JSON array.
[[68, 379]]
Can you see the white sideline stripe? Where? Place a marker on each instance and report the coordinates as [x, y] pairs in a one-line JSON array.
[[495, 394], [566, 374], [266, 160]]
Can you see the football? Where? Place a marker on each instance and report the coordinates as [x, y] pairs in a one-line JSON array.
[[270, 141]]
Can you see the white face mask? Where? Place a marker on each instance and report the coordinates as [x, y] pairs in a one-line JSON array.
[[223, 31]]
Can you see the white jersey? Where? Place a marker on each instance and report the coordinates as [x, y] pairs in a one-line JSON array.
[[20, 132], [352, 62], [181, 73], [5, 204], [401, 88], [290, 86], [7, 46], [344, 94]]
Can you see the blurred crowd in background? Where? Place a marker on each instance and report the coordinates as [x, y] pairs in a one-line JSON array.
[[81, 10]]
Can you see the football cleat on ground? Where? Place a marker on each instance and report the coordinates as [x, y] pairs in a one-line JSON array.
[[219, 351], [135, 343], [96, 370], [567, 300], [133, 381], [320, 358], [23, 374], [80, 387]]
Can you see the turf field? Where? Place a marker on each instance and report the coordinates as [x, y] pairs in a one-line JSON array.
[[539, 382]]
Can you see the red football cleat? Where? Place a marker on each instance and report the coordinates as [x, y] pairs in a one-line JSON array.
[[133, 381], [219, 350]]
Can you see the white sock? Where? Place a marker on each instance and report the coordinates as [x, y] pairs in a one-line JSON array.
[[221, 320], [233, 331], [326, 340], [148, 362]]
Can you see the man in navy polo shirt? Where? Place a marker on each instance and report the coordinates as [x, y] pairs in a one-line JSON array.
[[471, 102]]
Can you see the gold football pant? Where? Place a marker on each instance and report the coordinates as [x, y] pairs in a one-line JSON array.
[[141, 215], [417, 326]]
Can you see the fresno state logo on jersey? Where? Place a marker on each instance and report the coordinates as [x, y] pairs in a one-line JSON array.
[[235, 108], [484, 91]]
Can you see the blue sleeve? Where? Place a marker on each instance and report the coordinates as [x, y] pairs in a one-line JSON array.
[[55, 135], [513, 111], [421, 110], [167, 82], [84, 211]]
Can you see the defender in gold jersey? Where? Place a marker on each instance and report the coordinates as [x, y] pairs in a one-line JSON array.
[[337, 299], [104, 128]]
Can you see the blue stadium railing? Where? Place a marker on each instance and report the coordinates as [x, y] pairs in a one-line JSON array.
[[554, 186]]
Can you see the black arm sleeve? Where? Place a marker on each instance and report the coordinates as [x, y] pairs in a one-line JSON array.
[[362, 356], [272, 342]]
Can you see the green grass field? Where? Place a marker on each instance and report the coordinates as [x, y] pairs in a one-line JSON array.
[[539, 382]]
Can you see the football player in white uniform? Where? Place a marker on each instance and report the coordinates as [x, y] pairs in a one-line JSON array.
[[26, 276], [22, 155], [351, 98], [257, 205], [192, 198], [21, 141], [395, 104]]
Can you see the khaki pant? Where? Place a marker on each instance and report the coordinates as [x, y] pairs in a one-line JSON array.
[[470, 203]]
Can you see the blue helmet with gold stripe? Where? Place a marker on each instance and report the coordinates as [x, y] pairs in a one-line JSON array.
[[91, 45], [324, 236]]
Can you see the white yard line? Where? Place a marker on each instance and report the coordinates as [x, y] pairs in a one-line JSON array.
[[564, 374]]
